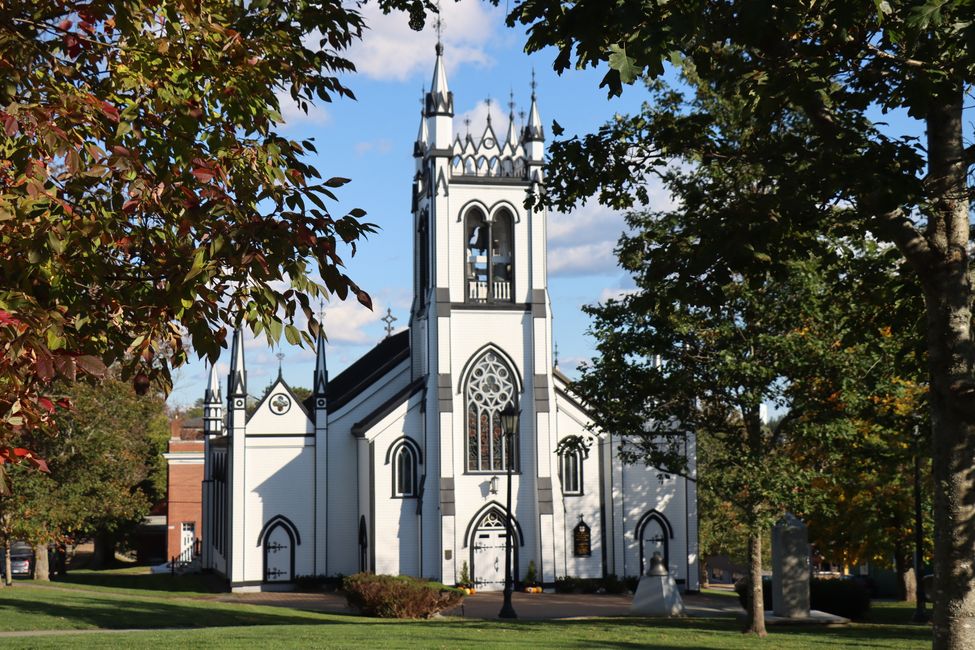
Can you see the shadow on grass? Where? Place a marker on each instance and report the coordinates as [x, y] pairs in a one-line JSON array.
[[189, 583], [68, 610]]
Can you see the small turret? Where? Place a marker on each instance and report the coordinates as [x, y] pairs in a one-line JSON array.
[[212, 406], [320, 388], [533, 136], [439, 107], [237, 381]]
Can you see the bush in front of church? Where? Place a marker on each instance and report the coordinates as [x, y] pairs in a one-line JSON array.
[[399, 596]]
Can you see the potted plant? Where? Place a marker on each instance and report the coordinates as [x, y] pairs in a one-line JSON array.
[[531, 580], [464, 581]]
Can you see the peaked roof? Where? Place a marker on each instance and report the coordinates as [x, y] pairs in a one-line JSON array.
[[369, 368]]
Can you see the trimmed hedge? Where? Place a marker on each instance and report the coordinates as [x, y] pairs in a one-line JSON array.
[[847, 598], [399, 596], [611, 584]]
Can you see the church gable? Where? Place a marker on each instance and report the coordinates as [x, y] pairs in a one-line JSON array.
[[280, 413]]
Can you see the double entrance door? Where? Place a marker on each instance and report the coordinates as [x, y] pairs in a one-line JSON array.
[[487, 570]]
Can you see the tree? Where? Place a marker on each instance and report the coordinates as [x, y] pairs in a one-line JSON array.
[[106, 471], [835, 62], [148, 199]]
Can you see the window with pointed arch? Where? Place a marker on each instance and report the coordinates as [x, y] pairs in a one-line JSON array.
[[570, 472], [490, 388], [489, 255], [404, 461]]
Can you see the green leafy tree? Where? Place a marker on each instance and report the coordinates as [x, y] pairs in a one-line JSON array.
[[106, 466], [836, 62], [149, 200]]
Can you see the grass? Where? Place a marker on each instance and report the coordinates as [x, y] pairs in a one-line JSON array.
[[119, 600]]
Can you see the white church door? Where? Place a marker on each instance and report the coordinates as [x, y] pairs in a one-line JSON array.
[[279, 555], [487, 553]]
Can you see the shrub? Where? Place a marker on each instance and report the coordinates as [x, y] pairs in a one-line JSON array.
[[613, 585], [399, 596], [464, 579], [531, 576], [847, 598]]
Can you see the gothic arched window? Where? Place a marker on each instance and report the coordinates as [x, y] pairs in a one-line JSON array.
[[490, 387], [404, 457], [489, 254], [570, 471]]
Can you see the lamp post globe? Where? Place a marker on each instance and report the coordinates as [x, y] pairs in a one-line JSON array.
[[509, 425]]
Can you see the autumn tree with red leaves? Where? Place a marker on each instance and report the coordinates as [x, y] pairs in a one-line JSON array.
[[148, 200]]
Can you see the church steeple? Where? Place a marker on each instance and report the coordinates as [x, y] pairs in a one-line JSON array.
[[321, 368], [237, 381], [534, 135], [212, 406], [439, 107]]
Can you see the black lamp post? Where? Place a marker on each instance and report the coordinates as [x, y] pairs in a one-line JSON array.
[[509, 425]]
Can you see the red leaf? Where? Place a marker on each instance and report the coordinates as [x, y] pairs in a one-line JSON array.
[[364, 298], [109, 111], [46, 404], [119, 150], [65, 25], [73, 44], [66, 366], [130, 205], [45, 366], [10, 125], [92, 365], [203, 174]]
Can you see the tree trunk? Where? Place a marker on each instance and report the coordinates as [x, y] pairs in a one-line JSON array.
[[947, 293], [42, 569], [756, 599], [6, 564], [103, 555], [904, 567]]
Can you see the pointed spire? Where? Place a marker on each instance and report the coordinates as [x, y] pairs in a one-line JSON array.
[[512, 137], [237, 382], [533, 130], [212, 393], [423, 133], [439, 101], [321, 368]]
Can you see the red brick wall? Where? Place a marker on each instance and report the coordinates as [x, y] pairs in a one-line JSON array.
[[184, 495]]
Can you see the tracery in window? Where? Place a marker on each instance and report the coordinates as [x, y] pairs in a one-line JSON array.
[[490, 387]]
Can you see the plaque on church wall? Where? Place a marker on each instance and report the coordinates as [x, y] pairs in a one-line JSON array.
[[582, 540]]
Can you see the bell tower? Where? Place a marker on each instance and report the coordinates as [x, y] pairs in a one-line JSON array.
[[480, 288]]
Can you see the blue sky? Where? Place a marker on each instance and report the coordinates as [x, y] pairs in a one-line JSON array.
[[371, 141]]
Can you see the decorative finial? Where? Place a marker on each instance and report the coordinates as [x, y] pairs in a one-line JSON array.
[[423, 94], [511, 102], [467, 123], [488, 102], [555, 361], [280, 356], [521, 116], [534, 83], [438, 25], [388, 319]]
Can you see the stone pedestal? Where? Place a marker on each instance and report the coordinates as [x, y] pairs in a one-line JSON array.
[[657, 593], [790, 568]]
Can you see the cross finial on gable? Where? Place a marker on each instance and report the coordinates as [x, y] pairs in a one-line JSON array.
[[388, 319], [488, 103]]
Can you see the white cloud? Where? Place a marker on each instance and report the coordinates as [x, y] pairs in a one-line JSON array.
[[390, 50], [345, 321], [380, 146], [292, 115], [583, 259]]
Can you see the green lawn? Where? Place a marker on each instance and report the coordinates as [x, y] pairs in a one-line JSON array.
[[91, 601]]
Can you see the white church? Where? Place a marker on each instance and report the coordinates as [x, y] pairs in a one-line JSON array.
[[397, 465]]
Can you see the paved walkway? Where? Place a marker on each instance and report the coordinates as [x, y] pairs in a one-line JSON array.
[[485, 605]]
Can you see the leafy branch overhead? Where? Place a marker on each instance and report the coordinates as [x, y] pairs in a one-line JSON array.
[[148, 199]]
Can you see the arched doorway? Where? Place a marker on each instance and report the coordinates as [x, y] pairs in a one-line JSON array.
[[278, 539], [488, 538], [653, 533]]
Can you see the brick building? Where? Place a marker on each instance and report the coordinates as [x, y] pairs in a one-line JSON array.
[[185, 476]]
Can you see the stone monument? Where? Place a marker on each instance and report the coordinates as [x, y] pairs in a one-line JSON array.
[[657, 594], [790, 568]]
